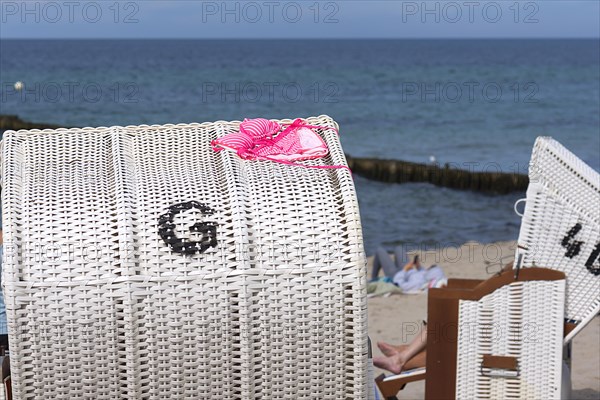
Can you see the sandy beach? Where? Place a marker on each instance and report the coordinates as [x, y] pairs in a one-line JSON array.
[[396, 318]]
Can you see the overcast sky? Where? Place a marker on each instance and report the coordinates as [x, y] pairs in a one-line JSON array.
[[299, 19]]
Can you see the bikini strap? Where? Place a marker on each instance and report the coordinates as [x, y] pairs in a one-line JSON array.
[[305, 125]]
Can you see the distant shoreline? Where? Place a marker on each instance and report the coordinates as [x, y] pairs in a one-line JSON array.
[[466, 39]]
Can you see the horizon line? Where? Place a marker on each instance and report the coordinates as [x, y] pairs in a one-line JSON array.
[[315, 38]]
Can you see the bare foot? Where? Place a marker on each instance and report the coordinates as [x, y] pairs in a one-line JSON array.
[[393, 364], [390, 349]]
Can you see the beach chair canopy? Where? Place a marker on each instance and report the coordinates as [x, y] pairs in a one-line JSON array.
[[560, 227], [509, 342], [141, 264]]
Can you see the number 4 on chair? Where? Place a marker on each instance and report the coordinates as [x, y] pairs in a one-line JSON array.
[[574, 247]]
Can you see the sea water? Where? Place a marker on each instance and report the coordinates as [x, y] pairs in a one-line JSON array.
[[472, 104]]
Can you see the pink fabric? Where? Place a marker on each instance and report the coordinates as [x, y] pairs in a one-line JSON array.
[[258, 139], [233, 141], [259, 128], [251, 130], [296, 143]]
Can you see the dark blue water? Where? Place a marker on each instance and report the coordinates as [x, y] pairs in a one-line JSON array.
[[476, 104]]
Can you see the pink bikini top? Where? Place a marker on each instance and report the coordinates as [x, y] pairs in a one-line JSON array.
[[262, 139]]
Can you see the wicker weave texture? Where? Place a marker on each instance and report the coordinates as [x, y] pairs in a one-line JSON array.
[[102, 306], [560, 228], [522, 320]]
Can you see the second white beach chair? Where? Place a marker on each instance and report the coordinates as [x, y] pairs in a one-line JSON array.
[[560, 231], [560, 227], [493, 339]]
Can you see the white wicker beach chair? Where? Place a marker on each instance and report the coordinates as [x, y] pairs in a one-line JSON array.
[[560, 227], [560, 230], [106, 301], [494, 339], [509, 342]]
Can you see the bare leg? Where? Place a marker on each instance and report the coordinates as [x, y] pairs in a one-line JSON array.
[[391, 349], [417, 361], [397, 362]]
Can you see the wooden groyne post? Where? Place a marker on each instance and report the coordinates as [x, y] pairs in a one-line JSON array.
[[397, 171], [13, 122]]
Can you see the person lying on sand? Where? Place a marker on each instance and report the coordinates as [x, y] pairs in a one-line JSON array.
[[407, 274]]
